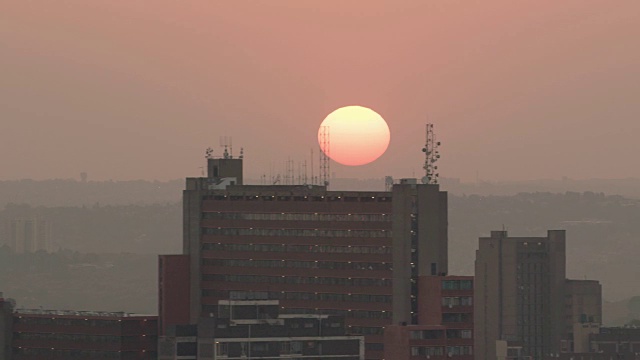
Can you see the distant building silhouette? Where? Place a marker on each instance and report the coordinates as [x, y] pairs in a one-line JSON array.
[[27, 235]]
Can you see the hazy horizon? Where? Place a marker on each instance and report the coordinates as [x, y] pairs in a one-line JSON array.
[[126, 91]]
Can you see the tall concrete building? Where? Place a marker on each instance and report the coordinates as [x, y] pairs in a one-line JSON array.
[[357, 254], [583, 302], [29, 235], [520, 294]]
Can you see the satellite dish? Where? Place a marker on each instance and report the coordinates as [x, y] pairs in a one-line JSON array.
[[425, 180]]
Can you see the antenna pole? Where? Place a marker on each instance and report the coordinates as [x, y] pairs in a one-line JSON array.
[[431, 156], [325, 161], [313, 181]]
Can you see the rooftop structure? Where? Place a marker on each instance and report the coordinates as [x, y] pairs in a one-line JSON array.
[[255, 329]]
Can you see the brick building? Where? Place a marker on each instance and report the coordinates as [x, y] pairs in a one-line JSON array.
[[356, 254], [76, 335], [445, 327]]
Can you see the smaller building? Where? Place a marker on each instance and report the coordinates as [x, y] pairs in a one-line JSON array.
[[76, 335], [617, 340], [445, 322], [593, 342], [246, 329], [584, 302]]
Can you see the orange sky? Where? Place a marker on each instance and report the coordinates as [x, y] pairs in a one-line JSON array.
[[138, 89]]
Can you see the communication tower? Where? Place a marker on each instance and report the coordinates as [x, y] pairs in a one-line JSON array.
[[324, 156], [431, 156]]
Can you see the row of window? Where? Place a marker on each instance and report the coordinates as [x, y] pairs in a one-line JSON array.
[[440, 350], [457, 301], [296, 232], [457, 318], [297, 280], [299, 248], [295, 216], [68, 337], [366, 330], [339, 265], [457, 284], [70, 354], [66, 322], [274, 295], [271, 347], [298, 198], [357, 314], [439, 334]]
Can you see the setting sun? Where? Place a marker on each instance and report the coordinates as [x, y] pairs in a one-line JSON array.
[[357, 135]]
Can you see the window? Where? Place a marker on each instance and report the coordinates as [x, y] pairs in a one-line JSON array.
[[425, 334], [459, 350], [427, 351]]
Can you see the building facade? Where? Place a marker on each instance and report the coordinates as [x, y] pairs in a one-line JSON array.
[[29, 235], [593, 342], [520, 293], [583, 306], [255, 329], [445, 324], [523, 302], [355, 254], [76, 335]]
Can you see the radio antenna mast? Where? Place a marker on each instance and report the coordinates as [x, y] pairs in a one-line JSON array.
[[324, 156], [431, 156]]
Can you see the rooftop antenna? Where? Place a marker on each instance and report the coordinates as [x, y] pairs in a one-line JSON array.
[[431, 156], [208, 154], [324, 156], [304, 171], [313, 180], [241, 153], [225, 142]]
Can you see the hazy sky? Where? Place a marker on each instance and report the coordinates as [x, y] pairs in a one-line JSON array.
[[139, 89]]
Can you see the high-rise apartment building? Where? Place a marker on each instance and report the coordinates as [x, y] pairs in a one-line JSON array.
[[29, 235], [523, 299], [520, 293], [358, 254]]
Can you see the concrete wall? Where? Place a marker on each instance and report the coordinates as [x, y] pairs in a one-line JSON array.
[[174, 291], [498, 291], [6, 328], [192, 203], [403, 201]]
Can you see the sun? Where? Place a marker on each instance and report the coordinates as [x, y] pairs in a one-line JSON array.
[[357, 135]]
